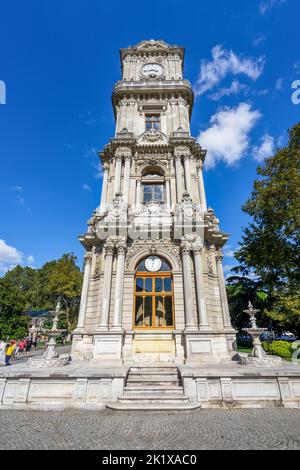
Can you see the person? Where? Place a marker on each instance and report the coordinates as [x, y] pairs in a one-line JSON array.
[[9, 351], [34, 342], [21, 347], [28, 345], [3, 346]]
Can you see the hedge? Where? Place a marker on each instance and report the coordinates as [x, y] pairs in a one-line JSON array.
[[278, 348]]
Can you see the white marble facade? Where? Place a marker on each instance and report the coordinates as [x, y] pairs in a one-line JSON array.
[[153, 205]]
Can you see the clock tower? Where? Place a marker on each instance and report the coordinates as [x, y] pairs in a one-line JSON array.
[[153, 289]]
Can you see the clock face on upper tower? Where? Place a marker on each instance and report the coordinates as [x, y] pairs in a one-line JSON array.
[[152, 70]]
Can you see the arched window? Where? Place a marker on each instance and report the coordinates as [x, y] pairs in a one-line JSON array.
[[153, 186], [153, 294]]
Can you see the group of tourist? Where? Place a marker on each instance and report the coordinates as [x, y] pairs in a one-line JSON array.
[[10, 350]]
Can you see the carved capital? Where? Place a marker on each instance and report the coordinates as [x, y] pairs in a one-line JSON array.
[[105, 166], [199, 165], [109, 249], [185, 247], [182, 151], [127, 158], [219, 256], [123, 152], [121, 249], [88, 257], [197, 248]]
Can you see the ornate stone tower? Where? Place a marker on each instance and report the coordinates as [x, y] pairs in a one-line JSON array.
[[153, 288]]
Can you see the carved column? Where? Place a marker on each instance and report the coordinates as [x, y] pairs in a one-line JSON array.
[[106, 288], [202, 196], [138, 193], [104, 188], [178, 177], [187, 286], [118, 169], [223, 295], [187, 173], [126, 179], [168, 193], [199, 281], [84, 292], [117, 320]]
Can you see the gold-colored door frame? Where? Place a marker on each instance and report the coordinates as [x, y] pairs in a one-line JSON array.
[[153, 294]]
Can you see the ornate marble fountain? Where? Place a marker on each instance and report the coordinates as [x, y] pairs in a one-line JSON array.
[[51, 358], [258, 357]]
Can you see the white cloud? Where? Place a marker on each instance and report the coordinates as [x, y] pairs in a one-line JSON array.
[[90, 152], [9, 256], [30, 259], [227, 270], [265, 149], [235, 88], [16, 188], [227, 138], [86, 187], [279, 84], [259, 39], [267, 5], [99, 170], [224, 63], [22, 202], [297, 66], [263, 92], [229, 251]]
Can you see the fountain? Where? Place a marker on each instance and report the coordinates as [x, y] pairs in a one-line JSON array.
[[51, 357], [257, 357]]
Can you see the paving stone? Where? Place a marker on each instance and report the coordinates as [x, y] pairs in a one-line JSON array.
[[192, 430]]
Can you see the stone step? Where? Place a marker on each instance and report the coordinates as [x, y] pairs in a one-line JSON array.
[[153, 406], [156, 384], [153, 372], [152, 390], [153, 368], [155, 378], [153, 399]]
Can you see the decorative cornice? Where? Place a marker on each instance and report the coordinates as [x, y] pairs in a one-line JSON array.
[[150, 137]]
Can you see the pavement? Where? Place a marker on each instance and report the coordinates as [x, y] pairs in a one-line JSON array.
[[273, 428], [39, 352]]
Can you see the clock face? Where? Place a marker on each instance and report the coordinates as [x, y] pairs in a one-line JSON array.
[[152, 70], [153, 263]]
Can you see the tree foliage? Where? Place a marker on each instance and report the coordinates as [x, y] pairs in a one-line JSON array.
[[270, 244], [24, 289]]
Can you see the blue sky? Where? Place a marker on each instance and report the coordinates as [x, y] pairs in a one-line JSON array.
[[59, 61]]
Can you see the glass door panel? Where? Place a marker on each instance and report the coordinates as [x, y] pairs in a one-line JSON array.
[[169, 311], [153, 301], [148, 311], [139, 313]]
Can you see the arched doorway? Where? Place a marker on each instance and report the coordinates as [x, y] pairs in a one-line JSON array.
[[153, 295]]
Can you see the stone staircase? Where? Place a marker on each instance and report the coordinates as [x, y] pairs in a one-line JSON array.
[[153, 388]]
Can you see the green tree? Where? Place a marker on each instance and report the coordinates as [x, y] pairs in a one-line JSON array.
[[61, 280], [241, 289], [23, 289], [270, 244], [16, 297]]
